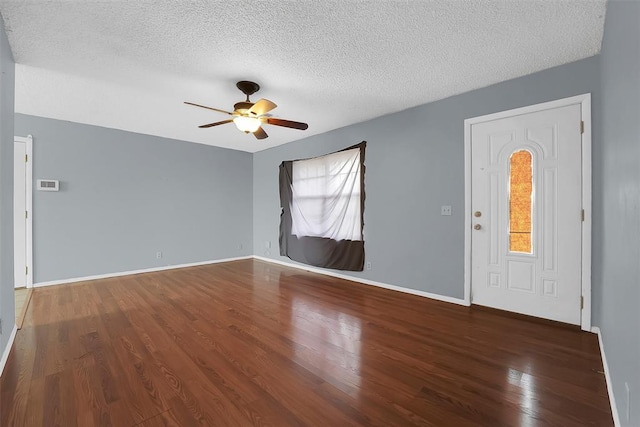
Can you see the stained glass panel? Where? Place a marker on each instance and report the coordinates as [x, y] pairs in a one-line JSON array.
[[520, 201]]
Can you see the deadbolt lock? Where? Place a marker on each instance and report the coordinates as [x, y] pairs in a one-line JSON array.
[[477, 226], [477, 214]]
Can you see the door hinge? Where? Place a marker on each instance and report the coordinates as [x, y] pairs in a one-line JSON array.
[[26, 214], [581, 302], [26, 158], [26, 270], [582, 215], [582, 127]]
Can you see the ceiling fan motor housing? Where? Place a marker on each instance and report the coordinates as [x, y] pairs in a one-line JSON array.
[[242, 107]]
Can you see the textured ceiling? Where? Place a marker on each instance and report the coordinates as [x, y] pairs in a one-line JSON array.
[[130, 64]]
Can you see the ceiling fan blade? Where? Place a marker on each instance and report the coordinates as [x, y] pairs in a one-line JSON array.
[[260, 133], [261, 107], [216, 123], [287, 123], [208, 108]]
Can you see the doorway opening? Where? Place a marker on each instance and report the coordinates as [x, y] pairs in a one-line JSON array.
[[22, 224]]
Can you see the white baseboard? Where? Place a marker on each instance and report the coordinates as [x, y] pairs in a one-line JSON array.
[[607, 376], [366, 281], [298, 266], [7, 349], [127, 273]]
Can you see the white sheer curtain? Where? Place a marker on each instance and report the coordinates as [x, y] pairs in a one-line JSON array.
[[326, 197]]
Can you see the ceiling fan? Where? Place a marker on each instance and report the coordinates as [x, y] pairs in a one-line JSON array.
[[248, 116]]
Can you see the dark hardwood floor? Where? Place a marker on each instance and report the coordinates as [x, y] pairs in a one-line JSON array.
[[252, 343]]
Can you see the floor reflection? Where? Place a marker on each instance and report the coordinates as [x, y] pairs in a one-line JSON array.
[[524, 385], [328, 342]]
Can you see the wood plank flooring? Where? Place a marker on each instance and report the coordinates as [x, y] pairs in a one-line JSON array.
[[251, 343]]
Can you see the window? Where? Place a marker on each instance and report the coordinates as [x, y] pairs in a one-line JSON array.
[[322, 202], [326, 196], [520, 201]]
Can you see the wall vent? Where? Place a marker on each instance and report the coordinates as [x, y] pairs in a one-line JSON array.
[[48, 185]]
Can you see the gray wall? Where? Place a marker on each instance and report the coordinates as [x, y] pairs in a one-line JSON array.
[[616, 264], [415, 164], [126, 196], [7, 84]]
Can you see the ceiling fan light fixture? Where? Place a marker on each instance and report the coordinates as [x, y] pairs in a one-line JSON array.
[[247, 124], [250, 116]]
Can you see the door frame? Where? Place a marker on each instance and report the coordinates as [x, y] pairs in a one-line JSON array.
[[28, 141], [584, 101]]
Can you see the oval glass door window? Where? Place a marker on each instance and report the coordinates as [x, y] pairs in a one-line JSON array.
[[520, 201]]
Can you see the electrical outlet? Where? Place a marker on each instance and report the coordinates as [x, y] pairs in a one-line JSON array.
[[445, 210], [368, 265], [158, 254]]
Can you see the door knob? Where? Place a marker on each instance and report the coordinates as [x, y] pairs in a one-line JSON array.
[[477, 226], [477, 214]]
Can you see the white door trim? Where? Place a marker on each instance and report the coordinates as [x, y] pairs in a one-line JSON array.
[[28, 141], [585, 104]]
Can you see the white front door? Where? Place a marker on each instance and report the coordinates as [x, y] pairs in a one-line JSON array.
[[526, 202], [19, 217]]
